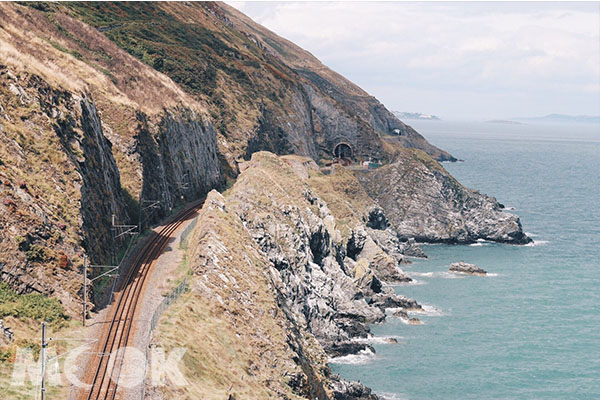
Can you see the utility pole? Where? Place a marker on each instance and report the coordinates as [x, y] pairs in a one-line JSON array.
[[43, 356], [84, 289], [111, 269], [152, 204], [124, 230]]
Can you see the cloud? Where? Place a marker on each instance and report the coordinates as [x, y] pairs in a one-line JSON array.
[[545, 49]]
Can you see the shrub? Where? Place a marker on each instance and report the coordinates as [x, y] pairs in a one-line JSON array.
[[33, 305], [37, 253]]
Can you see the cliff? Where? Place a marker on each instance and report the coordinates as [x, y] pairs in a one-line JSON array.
[[426, 203], [288, 260]]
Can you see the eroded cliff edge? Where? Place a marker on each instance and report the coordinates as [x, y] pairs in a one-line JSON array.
[[292, 262], [423, 201]]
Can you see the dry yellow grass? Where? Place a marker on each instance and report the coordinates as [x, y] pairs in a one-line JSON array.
[[233, 330]]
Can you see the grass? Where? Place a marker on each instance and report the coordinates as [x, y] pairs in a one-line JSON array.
[[228, 322], [35, 306], [27, 334]]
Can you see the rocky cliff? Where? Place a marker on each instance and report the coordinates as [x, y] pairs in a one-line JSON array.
[[290, 247], [426, 203]]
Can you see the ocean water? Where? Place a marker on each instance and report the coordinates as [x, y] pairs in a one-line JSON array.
[[531, 331]]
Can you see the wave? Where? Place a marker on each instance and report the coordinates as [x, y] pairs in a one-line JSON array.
[[531, 234], [390, 396], [379, 339], [481, 242], [537, 243], [361, 358], [440, 274], [510, 208], [428, 310], [414, 282], [408, 321]]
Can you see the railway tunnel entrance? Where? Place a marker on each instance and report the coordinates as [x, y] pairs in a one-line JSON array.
[[343, 150]]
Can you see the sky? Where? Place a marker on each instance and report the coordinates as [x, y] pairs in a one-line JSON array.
[[463, 60]]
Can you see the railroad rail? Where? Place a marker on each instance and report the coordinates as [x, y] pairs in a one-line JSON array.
[[106, 362]]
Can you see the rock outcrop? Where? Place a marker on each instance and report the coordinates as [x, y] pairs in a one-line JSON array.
[[422, 201], [179, 158], [466, 268], [275, 232]]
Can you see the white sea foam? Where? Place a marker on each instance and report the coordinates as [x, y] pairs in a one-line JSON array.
[[537, 243], [363, 357], [440, 274], [531, 234], [427, 274], [492, 274], [378, 339], [481, 242], [510, 208], [428, 310], [391, 396], [414, 282], [407, 321]]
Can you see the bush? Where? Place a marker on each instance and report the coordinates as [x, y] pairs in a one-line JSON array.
[[37, 253], [33, 305]]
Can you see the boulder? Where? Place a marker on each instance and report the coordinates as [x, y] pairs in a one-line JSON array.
[[466, 268]]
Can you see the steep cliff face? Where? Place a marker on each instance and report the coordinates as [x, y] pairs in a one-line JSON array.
[[80, 136], [424, 202], [101, 191], [179, 159], [61, 184], [258, 92], [319, 272]]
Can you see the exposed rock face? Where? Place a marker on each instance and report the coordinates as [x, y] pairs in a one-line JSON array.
[[59, 198], [101, 192], [424, 202], [467, 268], [332, 282], [179, 158], [325, 274]]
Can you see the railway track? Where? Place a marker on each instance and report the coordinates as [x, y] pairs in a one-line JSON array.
[[103, 369]]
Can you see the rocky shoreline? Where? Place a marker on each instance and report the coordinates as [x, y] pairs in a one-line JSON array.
[[328, 251]]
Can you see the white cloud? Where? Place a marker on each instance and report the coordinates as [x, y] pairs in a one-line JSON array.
[[540, 49]]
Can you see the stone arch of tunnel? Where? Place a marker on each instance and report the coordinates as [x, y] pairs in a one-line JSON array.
[[343, 150]]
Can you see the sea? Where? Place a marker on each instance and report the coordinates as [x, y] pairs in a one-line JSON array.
[[530, 330]]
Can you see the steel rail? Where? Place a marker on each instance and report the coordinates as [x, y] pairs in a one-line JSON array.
[[119, 330]]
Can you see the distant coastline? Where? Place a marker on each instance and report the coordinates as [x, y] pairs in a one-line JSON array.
[[582, 119], [504, 121], [415, 115]]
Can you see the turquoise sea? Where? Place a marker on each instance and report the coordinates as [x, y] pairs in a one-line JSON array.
[[532, 331]]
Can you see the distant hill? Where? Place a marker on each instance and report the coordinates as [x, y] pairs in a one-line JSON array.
[[588, 119], [414, 115], [504, 121]]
